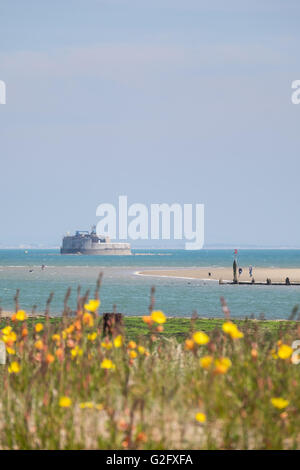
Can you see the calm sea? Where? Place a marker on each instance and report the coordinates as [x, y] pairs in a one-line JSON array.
[[176, 297]]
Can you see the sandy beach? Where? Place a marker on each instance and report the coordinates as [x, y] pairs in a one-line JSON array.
[[225, 274]]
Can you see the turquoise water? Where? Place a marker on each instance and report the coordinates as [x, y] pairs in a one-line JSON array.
[[121, 286]]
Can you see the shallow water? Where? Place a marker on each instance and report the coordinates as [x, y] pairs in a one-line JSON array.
[[121, 286]]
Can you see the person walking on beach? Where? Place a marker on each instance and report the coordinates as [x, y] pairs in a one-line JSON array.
[[250, 271], [240, 271]]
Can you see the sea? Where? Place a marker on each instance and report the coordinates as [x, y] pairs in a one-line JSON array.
[[130, 293]]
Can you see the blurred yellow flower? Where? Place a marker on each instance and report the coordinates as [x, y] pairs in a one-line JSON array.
[[200, 417], [65, 402], [232, 330], [86, 404], [200, 337], [77, 351], [279, 403], [206, 362], [10, 350], [10, 338], [92, 305], [222, 365], [21, 315], [141, 349], [92, 336], [6, 330], [99, 406], [70, 329], [132, 344], [39, 345], [39, 327], [285, 351], [107, 364], [56, 337], [158, 316], [14, 368], [106, 344], [118, 341]]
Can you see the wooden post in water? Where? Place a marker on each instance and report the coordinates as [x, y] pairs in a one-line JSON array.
[[235, 272]]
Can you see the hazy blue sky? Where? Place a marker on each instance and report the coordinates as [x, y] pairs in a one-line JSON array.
[[163, 100]]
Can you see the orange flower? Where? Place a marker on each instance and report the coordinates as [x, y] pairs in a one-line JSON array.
[[49, 358], [132, 354], [141, 437], [132, 344], [148, 320], [14, 317], [88, 319], [24, 332], [189, 344], [160, 328], [59, 353]]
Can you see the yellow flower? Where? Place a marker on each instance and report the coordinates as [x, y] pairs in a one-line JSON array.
[[118, 341], [92, 336], [56, 337], [92, 306], [14, 368], [107, 364], [70, 329], [106, 344], [141, 349], [88, 319], [87, 404], [39, 345], [65, 402], [222, 365], [6, 330], [39, 327], [200, 337], [285, 351], [200, 417], [206, 362], [10, 338], [232, 330], [21, 315], [99, 406], [132, 354], [10, 350], [274, 354], [132, 344], [279, 403], [76, 351], [158, 316]]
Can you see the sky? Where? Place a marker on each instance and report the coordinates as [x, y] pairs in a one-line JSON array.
[[165, 101]]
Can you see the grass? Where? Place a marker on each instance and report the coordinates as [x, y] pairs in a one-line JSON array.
[[153, 383]]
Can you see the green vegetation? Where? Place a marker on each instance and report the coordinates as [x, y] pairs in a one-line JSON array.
[[87, 381]]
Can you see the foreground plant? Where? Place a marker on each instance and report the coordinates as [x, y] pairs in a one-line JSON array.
[[69, 386]]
